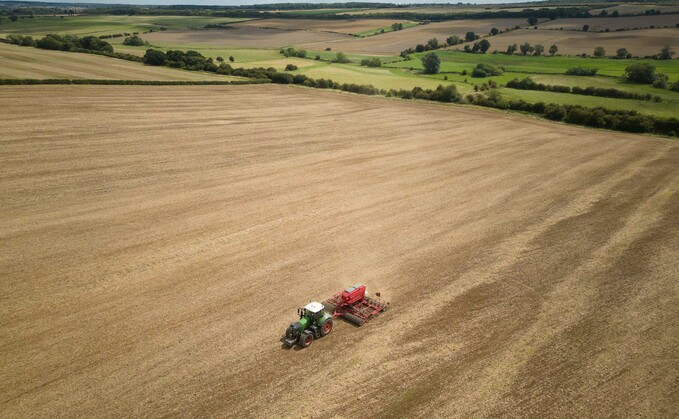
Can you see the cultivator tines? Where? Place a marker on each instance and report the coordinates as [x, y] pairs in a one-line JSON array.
[[353, 305]]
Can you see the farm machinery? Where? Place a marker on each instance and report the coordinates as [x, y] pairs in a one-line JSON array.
[[316, 319]]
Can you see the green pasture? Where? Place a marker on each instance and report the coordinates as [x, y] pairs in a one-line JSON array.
[[662, 109], [458, 61], [356, 58]]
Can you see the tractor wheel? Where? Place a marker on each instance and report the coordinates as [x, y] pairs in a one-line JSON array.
[[305, 340], [352, 319], [326, 327], [329, 307]]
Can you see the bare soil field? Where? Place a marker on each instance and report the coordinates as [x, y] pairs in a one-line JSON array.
[[633, 8], [321, 25], [395, 42], [601, 24], [243, 37], [638, 43], [157, 241], [32, 63], [446, 9]]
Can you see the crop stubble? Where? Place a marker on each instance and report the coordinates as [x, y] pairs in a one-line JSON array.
[[156, 242]]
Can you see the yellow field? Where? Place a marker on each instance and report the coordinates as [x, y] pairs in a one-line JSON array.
[[639, 43], [601, 24], [321, 25], [33, 63], [156, 242]]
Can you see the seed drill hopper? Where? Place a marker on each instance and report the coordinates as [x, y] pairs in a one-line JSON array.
[[354, 305]]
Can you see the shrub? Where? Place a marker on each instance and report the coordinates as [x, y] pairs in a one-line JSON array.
[[374, 62], [479, 73], [154, 57], [433, 44], [282, 78], [24, 41], [554, 112], [134, 40], [341, 58], [290, 52], [581, 71], [640, 73], [291, 67], [454, 40], [486, 70], [661, 81]]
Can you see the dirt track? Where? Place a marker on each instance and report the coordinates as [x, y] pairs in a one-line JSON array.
[[156, 242]]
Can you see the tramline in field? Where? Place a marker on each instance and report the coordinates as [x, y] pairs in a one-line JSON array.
[[316, 319]]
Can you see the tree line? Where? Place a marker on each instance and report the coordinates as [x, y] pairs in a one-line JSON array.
[[530, 84], [71, 43], [599, 117]]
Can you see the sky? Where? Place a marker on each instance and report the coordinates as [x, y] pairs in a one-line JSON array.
[[247, 2]]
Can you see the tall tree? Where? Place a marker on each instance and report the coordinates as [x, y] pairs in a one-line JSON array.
[[666, 53], [484, 45], [431, 63]]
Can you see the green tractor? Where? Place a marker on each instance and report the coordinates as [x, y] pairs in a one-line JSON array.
[[313, 323]]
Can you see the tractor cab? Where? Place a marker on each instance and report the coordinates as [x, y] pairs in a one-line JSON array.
[[312, 310]]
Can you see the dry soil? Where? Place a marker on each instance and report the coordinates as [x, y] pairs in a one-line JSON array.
[[156, 242]]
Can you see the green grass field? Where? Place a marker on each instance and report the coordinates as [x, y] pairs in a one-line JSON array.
[[458, 61]]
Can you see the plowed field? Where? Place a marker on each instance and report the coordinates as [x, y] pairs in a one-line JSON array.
[[156, 242]]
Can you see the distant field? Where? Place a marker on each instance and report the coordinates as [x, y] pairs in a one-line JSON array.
[[432, 9], [394, 42], [244, 37], [458, 61], [634, 8], [639, 43], [550, 70], [102, 25], [350, 27], [32, 63], [600, 24]]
